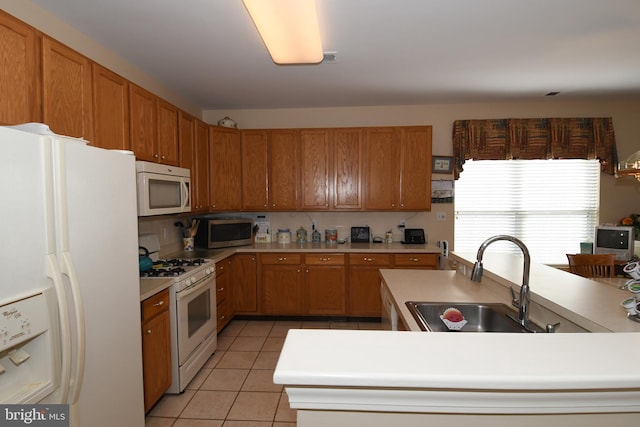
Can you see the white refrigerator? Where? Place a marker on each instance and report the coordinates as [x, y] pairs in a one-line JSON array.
[[69, 290]]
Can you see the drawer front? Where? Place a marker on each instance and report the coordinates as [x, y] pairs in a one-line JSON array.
[[222, 267], [284, 258], [223, 311], [221, 292], [370, 259], [155, 304], [324, 259], [417, 260]]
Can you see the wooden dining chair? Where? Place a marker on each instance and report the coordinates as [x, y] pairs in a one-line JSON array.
[[588, 265]]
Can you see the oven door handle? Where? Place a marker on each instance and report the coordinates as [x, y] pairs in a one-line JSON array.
[[194, 288]]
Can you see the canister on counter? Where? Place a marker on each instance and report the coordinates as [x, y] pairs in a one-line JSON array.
[[284, 236], [301, 235], [330, 235]]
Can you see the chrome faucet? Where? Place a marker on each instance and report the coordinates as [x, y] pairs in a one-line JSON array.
[[523, 304]]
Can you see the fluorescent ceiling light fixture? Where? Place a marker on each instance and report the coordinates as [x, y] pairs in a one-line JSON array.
[[289, 29]]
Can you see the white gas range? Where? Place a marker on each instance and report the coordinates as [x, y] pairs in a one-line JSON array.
[[192, 310]]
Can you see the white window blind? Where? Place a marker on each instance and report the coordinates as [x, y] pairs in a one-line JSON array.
[[551, 205]]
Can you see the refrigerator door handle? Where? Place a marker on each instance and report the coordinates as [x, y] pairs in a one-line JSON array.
[[54, 273], [69, 271]]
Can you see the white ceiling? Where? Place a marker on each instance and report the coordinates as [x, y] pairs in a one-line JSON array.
[[389, 52]]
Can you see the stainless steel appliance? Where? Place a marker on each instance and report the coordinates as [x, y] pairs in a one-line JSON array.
[[69, 297], [224, 232], [162, 189], [192, 309]]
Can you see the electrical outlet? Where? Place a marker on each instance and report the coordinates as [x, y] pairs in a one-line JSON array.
[[441, 216]]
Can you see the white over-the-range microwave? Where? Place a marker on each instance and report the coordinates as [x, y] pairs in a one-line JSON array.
[[162, 189]]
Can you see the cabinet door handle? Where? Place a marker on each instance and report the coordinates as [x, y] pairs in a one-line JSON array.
[[148, 331], [155, 155], [159, 304], [220, 289]]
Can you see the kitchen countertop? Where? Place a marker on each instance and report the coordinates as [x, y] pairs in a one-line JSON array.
[[396, 247], [465, 372], [151, 286]]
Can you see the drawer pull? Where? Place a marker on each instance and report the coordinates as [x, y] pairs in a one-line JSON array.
[[414, 259], [282, 258], [325, 259], [159, 304], [369, 259]]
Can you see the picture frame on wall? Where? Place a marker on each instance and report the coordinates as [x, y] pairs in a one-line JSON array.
[[442, 164]]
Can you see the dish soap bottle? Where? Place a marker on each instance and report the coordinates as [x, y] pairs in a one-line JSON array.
[[315, 236]]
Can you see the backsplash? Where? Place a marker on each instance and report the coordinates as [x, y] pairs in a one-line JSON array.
[[378, 222]]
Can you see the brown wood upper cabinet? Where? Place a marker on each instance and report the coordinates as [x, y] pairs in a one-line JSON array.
[[153, 127], [269, 169], [347, 168], [225, 169], [337, 169], [19, 72], [398, 168], [200, 172], [111, 109], [255, 164], [66, 90], [315, 166]]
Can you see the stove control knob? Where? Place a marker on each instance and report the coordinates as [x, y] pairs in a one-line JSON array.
[[191, 280]]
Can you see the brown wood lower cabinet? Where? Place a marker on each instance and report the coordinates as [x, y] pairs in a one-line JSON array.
[[280, 284], [224, 300], [245, 283], [325, 284], [156, 347], [308, 284], [364, 283]]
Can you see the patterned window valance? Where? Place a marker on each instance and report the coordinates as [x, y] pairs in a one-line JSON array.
[[529, 139]]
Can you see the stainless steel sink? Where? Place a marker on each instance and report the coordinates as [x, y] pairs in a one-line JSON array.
[[480, 317]]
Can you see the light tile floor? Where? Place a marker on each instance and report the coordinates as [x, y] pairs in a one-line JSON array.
[[235, 387]]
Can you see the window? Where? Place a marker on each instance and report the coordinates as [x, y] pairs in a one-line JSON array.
[[551, 205]]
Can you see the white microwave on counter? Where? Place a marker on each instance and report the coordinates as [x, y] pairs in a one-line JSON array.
[[162, 189]]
